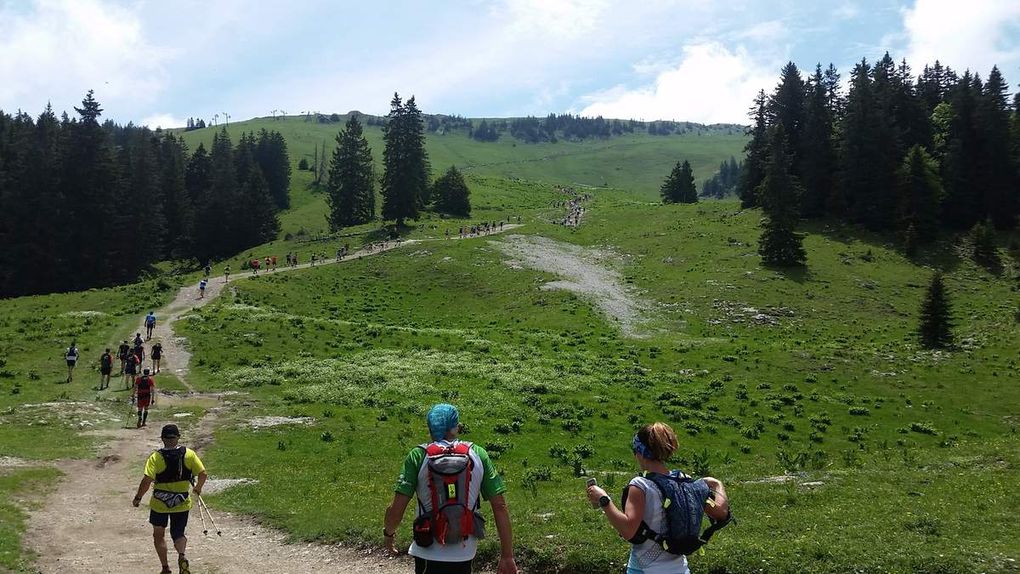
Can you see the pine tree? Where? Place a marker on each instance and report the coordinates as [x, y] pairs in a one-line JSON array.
[[935, 329], [257, 220], [90, 187], [817, 154], [984, 250], [963, 207], [405, 176], [679, 187], [779, 194], [786, 106], [451, 194], [274, 161], [995, 164], [177, 204], [757, 154], [350, 191], [860, 185], [920, 194]]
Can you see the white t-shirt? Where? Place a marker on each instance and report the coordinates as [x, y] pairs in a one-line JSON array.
[[648, 557]]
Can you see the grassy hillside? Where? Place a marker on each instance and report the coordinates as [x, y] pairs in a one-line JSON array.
[[844, 444], [637, 163]]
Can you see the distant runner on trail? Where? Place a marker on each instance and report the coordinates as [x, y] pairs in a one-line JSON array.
[[105, 368], [150, 324], [269, 262], [122, 354], [169, 471], [138, 340], [645, 519], [157, 354], [139, 352], [208, 269], [130, 370], [143, 393], [254, 264], [201, 288], [71, 356], [226, 273], [455, 476]]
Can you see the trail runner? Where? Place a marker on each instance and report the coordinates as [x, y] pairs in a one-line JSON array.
[[150, 324], [643, 508], [71, 356], [130, 370], [122, 354], [105, 368], [169, 471], [157, 355], [201, 288], [143, 394], [445, 541]]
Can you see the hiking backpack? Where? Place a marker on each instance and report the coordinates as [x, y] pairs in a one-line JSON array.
[[145, 390], [683, 504], [175, 471], [450, 518], [106, 361]]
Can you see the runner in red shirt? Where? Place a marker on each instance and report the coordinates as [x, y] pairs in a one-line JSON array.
[[143, 394]]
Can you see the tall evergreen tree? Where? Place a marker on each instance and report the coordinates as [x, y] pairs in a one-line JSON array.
[[963, 207], [920, 193], [995, 164], [90, 186], [935, 329], [177, 204], [679, 187], [256, 221], [757, 154], [350, 191], [786, 106], [817, 153], [274, 161], [405, 179], [451, 194], [779, 194], [861, 185]]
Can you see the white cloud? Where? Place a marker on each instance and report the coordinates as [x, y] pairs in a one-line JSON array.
[[771, 31], [976, 34], [164, 121], [58, 49], [848, 11], [711, 84]]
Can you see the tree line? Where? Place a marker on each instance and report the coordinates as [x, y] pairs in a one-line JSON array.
[[911, 156], [89, 204], [405, 183], [725, 181]]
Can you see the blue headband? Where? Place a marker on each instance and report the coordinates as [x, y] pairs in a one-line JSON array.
[[642, 449]]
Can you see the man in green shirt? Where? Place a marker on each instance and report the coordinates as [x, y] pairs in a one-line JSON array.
[[450, 478], [170, 469]]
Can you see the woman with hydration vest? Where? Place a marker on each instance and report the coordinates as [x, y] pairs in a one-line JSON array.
[[658, 504]]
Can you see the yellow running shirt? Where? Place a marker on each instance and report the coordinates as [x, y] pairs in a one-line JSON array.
[[156, 464]]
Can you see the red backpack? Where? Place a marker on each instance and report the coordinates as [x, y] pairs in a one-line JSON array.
[[448, 474]]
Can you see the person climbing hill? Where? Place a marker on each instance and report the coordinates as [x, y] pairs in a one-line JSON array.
[[105, 369], [143, 394], [169, 471], [150, 324], [71, 356], [122, 354], [157, 355]]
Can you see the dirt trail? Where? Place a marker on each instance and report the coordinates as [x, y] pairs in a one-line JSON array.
[[88, 526]]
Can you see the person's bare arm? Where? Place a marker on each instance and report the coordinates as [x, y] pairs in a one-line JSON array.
[[394, 514], [500, 512], [625, 523], [143, 486], [199, 483], [721, 507]]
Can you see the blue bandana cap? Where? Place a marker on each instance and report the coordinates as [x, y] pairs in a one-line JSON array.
[[441, 419], [641, 448]]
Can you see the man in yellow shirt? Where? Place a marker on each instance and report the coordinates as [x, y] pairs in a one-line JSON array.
[[170, 471]]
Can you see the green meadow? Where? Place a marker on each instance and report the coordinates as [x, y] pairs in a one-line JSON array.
[[844, 446]]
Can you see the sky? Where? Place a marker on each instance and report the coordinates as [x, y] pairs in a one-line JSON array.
[[157, 63]]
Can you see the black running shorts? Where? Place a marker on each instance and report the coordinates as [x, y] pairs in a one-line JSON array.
[[178, 522]]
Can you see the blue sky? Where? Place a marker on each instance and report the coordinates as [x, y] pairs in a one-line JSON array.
[[159, 62]]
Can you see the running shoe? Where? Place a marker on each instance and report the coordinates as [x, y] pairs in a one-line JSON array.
[[182, 563]]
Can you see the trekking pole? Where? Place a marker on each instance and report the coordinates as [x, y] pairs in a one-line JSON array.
[[211, 519], [205, 529]]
